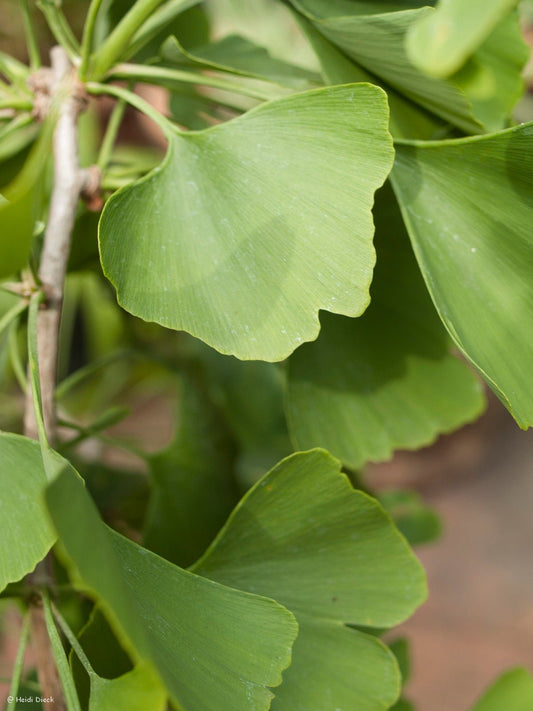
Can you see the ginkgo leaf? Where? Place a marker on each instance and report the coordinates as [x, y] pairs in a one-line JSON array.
[[238, 55], [468, 210], [442, 41], [27, 535], [386, 380], [215, 649], [407, 120], [513, 691], [373, 36], [194, 486], [332, 556], [256, 224]]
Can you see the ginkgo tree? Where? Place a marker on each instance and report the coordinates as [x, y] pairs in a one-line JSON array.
[[297, 272]]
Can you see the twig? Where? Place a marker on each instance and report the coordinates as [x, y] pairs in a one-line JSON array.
[[68, 183]]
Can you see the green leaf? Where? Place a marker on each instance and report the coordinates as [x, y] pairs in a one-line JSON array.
[[386, 380], [194, 488], [513, 692], [258, 423], [441, 41], [418, 523], [373, 36], [407, 120], [137, 690], [467, 207], [232, 645], [22, 205], [238, 55], [27, 535], [492, 78], [107, 658], [331, 555], [237, 255]]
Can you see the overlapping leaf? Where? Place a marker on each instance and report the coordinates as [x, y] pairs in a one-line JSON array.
[[386, 380], [256, 224], [194, 488], [407, 120], [238, 55], [331, 555], [442, 41], [27, 535], [137, 690], [467, 206], [373, 35], [513, 692], [215, 648], [492, 77]]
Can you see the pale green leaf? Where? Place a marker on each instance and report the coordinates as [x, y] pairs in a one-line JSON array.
[[215, 648], [386, 380], [441, 41], [331, 555], [27, 535], [512, 692], [467, 206], [256, 224], [492, 77]]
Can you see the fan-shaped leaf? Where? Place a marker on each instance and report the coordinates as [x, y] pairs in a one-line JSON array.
[[256, 224], [331, 555], [216, 649], [386, 380], [468, 209]]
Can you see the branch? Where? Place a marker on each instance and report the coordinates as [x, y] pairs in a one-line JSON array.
[[68, 184]]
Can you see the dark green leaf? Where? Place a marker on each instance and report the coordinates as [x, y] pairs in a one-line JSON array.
[[386, 380], [194, 489], [239, 55]]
